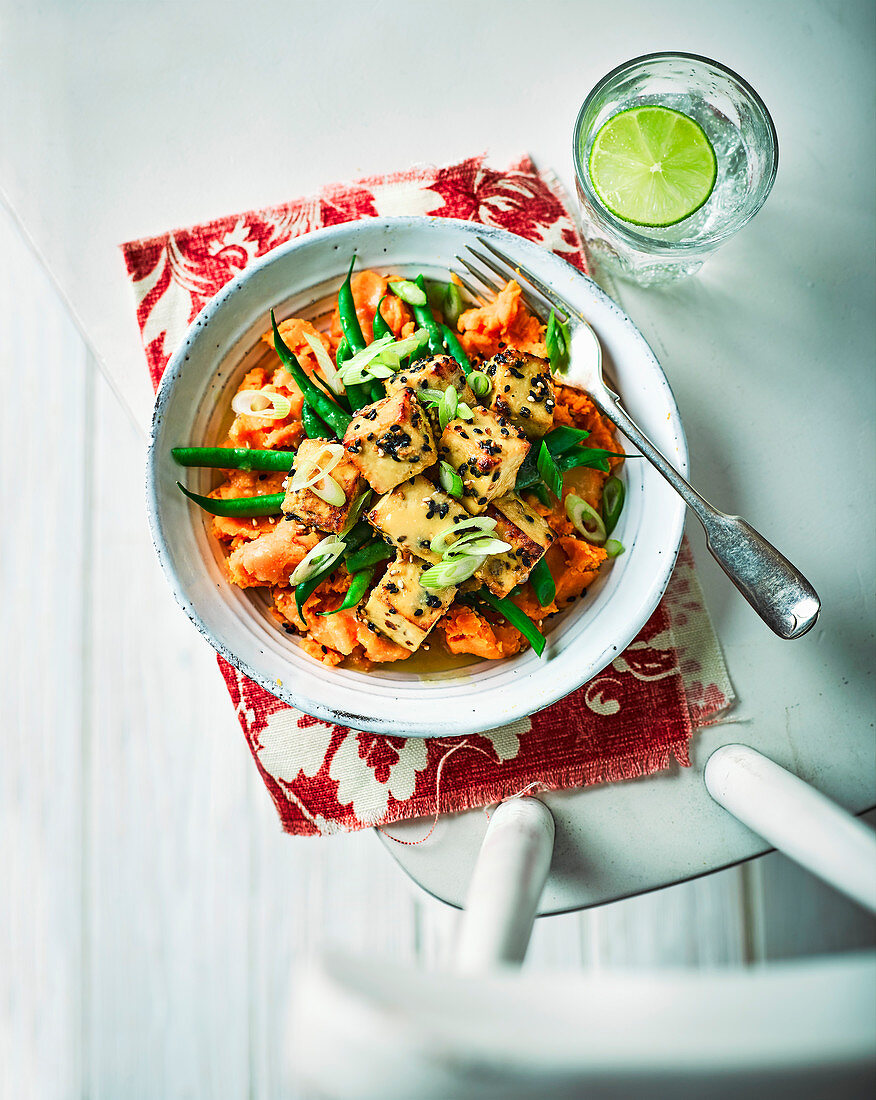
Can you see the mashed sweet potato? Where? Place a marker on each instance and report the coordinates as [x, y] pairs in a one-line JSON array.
[[262, 552]]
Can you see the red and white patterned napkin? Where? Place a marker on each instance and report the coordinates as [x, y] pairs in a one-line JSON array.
[[634, 718]]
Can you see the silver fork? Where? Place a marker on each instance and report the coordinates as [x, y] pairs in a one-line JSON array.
[[777, 591]]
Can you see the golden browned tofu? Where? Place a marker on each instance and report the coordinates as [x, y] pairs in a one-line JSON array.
[[401, 608], [413, 514], [391, 440], [529, 537], [522, 390], [438, 373], [304, 504], [486, 452]]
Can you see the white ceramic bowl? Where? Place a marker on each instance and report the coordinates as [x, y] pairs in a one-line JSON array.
[[297, 279]]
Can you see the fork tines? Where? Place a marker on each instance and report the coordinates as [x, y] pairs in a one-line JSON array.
[[538, 296]]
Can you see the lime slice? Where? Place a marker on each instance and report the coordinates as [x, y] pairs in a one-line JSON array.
[[652, 166]]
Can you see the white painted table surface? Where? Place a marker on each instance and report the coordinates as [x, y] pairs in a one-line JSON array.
[[152, 908]]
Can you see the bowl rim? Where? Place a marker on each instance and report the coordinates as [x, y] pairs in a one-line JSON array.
[[463, 725]]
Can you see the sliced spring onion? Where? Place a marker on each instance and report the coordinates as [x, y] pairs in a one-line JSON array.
[[449, 480], [464, 412], [613, 548], [613, 494], [592, 457], [440, 542], [309, 471], [452, 304], [586, 520], [356, 510], [479, 383], [557, 340], [382, 358], [448, 573], [401, 349], [448, 406], [354, 371], [549, 471], [408, 292], [429, 397], [261, 403], [564, 438], [474, 543], [329, 371], [543, 584], [329, 490], [318, 559]]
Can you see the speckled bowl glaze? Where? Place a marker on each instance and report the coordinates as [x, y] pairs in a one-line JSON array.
[[297, 279]]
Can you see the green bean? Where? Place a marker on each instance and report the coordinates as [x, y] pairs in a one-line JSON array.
[[350, 326], [380, 327], [371, 554], [305, 589], [343, 353], [233, 458], [314, 428], [358, 588], [424, 319], [358, 536], [323, 406], [271, 504], [543, 584], [359, 395], [512, 613], [456, 349], [338, 398], [354, 538]]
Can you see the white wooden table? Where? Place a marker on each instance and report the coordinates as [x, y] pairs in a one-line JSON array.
[[152, 908]]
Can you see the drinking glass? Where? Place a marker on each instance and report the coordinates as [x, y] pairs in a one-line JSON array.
[[746, 148]]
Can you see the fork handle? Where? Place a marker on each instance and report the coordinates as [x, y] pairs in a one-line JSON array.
[[777, 591]]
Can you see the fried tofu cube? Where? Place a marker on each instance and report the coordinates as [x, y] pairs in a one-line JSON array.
[[529, 537], [308, 508], [523, 391], [486, 452], [391, 440], [438, 373], [401, 608], [413, 514]]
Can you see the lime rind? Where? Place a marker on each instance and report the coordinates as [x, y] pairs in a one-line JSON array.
[[652, 166]]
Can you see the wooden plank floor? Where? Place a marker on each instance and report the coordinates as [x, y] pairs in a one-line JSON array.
[[153, 911]]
